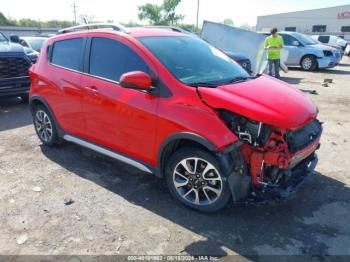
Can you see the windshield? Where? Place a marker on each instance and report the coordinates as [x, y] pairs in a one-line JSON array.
[[36, 43], [306, 40], [193, 61], [2, 38]]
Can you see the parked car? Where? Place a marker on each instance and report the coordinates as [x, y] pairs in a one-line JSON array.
[[308, 53], [241, 59], [331, 40], [170, 104], [33, 42], [15, 61], [347, 49]]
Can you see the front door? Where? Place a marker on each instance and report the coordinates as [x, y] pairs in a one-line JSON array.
[[294, 52], [118, 118]]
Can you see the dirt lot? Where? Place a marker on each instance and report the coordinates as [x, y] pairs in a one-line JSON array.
[[90, 204]]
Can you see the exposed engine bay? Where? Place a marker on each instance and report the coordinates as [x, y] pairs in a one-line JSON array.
[[276, 158]]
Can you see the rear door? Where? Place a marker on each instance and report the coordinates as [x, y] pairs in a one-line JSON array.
[[118, 118], [63, 75]]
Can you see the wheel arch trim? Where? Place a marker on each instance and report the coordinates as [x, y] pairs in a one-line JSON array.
[[34, 98], [182, 136]]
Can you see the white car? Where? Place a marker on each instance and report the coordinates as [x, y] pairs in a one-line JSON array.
[[331, 40], [347, 50], [33, 42]]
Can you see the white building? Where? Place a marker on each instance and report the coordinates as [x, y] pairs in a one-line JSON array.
[[332, 20]]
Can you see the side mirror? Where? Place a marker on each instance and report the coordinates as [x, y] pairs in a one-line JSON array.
[[136, 80], [296, 43], [14, 38]]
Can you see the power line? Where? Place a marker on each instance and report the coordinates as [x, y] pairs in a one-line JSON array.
[[75, 12], [197, 25]]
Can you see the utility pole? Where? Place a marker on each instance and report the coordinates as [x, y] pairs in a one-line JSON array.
[[75, 12], [197, 25]]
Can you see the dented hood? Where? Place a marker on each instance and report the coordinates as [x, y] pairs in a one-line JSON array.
[[264, 99]]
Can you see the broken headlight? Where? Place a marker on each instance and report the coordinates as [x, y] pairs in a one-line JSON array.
[[253, 132]]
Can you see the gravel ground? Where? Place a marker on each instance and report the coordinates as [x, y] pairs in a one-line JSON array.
[[69, 200]]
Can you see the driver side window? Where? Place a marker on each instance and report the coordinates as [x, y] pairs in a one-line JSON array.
[[288, 40], [110, 59]]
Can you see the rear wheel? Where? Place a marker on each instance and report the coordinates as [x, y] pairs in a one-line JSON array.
[[194, 178], [45, 126], [308, 63]]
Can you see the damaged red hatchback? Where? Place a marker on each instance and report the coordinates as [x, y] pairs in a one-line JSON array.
[[170, 104]]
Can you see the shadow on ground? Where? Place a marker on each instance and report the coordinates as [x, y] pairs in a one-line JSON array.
[[247, 230], [333, 71], [14, 113], [292, 80]]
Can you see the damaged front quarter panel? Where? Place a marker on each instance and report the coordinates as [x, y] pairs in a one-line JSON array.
[[270, 162]]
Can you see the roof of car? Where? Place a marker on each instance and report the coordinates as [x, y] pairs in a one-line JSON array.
[[144, 31]]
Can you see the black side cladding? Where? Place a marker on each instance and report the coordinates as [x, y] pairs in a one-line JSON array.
[[304, 136]]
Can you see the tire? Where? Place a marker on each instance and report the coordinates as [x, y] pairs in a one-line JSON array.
[[308, 63], [45, 126], [206, 190], [25, 98]]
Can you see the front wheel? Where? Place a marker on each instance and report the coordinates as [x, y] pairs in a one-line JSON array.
[[308, 63], [194, 178]]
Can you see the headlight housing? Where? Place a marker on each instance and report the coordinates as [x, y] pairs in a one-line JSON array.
[[32, 55], [327, 53], [250, 131]]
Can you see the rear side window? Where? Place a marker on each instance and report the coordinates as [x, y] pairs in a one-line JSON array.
[[67, 53], [324, 39], [110, 59]]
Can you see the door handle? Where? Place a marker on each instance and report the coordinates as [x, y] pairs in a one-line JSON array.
[[92, 89]]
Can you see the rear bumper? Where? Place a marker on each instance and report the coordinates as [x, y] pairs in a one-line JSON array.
[[14, 86]]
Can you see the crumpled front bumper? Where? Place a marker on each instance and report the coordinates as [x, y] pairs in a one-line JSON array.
[[298, 176], [328, 62]]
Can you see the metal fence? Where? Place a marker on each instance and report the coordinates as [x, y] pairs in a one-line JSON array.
[[27, 31]]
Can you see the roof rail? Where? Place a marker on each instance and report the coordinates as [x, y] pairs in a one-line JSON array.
[[113, 26], [171, 28]]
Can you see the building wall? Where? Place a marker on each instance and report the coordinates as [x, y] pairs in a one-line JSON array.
[[333, 17], [26, 31]]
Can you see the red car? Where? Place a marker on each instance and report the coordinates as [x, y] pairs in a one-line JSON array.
[[172, 105]]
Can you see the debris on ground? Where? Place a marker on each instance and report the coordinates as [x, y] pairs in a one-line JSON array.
[[22, 239], [312, 92], [36, 189], [68, 201], [328, 80]]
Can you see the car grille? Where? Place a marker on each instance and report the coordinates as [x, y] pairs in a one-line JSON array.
[[11, 67], [304, 136]]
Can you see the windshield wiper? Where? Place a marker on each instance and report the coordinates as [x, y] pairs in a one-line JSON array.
[[204, 84], [238, 79]]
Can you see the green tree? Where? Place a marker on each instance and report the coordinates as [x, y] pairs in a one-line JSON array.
[[229, 21], [5, 21], [245, 26], [164, 14]]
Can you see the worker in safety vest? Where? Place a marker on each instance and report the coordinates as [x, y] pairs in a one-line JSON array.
[[274, 44]]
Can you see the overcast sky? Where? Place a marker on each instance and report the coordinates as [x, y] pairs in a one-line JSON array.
[[240, 11]]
